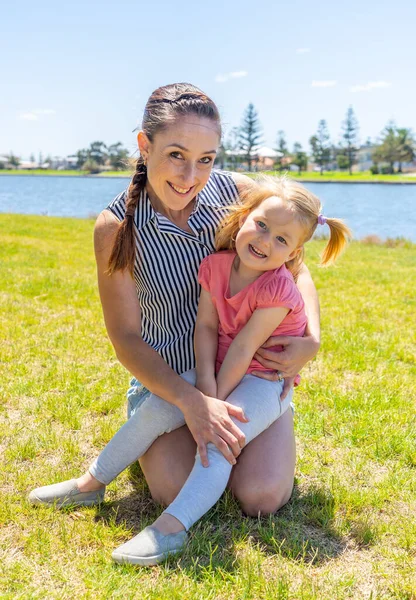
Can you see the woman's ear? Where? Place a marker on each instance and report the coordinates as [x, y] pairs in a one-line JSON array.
[[144, 144]]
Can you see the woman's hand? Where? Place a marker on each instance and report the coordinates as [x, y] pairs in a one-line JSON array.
[[297, 351], [208, 420]]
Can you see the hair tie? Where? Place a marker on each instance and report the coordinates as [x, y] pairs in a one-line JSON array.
[[321, 220]]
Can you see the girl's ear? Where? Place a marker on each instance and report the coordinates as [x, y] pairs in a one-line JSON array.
[[144, 144], [295, 252]]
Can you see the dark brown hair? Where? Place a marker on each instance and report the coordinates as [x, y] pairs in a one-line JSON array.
[[164, 107]]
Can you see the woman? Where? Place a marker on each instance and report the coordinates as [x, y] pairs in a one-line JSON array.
[[149, 244]]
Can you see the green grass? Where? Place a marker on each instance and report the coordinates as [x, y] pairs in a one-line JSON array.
[[345, 177], [349, 530], [328, 176]]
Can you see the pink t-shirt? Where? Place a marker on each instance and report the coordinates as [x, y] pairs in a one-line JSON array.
[[271, 289]]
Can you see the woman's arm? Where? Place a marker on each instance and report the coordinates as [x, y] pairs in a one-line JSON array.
[[207, 418], [206, 344], [243, 347]]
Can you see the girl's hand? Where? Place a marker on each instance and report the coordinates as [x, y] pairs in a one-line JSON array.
[[297, 351], [207, 385], [208, 420]]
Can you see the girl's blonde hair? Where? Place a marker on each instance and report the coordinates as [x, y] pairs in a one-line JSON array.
[[305, 206]]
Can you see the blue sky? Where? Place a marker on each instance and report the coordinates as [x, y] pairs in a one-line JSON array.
[[77, 72]]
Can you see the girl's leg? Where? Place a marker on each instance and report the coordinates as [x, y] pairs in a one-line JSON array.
[[153, 418], [260, 400], [262, 479]]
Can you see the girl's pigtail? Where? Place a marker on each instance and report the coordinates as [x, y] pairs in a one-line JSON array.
[[123, 252], [339, 237]]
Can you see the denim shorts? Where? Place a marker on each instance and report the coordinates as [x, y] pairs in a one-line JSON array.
[[136, 395]]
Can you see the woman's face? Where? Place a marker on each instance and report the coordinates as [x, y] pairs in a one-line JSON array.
[[179, 160]]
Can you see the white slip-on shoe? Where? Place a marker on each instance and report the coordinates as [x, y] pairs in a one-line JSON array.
[[150, 547], [65, 493]]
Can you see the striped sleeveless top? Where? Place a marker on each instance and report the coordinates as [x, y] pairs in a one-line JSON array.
[[167, 263]]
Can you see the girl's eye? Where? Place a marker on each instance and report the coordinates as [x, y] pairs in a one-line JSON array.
[[281, 239], [261, 224], [206, 160], [176, 155]]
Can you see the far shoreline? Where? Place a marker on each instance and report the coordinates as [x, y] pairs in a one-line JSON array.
[[336, 178]]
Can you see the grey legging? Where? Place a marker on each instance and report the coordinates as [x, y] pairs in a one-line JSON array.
[[260, 400]]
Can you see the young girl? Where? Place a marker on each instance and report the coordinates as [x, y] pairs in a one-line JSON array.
[[248, 294]]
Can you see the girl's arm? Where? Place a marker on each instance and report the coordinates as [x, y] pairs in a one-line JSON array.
[[243, 347], [206, 343], [207, 418], [297, 350]]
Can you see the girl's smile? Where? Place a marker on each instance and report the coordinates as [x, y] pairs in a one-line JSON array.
[[269, 237]]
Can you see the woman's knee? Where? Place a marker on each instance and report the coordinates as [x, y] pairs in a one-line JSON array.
[[164, 494], [263, 501]]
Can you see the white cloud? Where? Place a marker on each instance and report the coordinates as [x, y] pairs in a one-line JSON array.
[[44, 111], [238, 74], [371, 85], [222, 78], [302, 50], [324, 84], [33, 115], [28, 117]]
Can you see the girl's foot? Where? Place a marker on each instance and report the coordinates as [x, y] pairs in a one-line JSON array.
[[167, 524], [150, 547], [69, 492]]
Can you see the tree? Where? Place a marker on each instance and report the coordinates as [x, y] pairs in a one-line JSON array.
[[281, 148], [250, 134], [13, 160], [91, 166], [350, 137], [97, 152], [388, 149], [40, 159], [299, 158], [82, 157], [32, 158], [406, 146], [343, 162], [231, 147], [320, 145], [117, 156]]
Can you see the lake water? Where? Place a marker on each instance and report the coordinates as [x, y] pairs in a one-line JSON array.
[[383, 210]]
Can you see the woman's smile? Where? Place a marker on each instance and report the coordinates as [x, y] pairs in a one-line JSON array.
[[180, 190]]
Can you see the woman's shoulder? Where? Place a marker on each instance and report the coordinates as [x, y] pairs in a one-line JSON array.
[[220, 190], [118, 205]]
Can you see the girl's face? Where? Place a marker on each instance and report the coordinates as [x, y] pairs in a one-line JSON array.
[[269, 236], [179, 160]]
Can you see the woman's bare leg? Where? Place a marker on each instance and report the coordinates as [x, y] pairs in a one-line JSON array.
[[262, 480], [167, 464]]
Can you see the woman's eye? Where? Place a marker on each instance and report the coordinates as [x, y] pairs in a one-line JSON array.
[[206, 160], [261, 224], [176, 155], [281, 239]]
